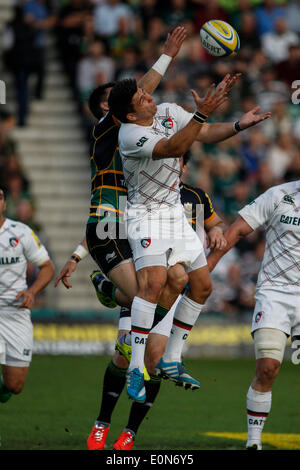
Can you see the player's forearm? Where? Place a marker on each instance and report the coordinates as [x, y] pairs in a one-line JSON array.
[[44, 276], [179, 143], [216, 132], [232, 236], [150, 81]]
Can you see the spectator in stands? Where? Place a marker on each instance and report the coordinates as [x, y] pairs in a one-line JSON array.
[[18, 191], [267, 15], [275, 44], [94, 69], [108, 16], [38, 15], [289, 69], [8, 148], [293, 15], [70, 31], [20, 58]]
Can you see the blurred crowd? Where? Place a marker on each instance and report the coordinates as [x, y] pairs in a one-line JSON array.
[[104, 40]]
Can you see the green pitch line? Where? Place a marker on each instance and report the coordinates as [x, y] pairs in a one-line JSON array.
[[61, 400]]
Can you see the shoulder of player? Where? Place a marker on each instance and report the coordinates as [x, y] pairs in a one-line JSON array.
[[18, 228], [193, 191], [106, 122]]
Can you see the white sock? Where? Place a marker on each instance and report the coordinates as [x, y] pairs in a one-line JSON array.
[[185, 316], [258, 408], [142, 315]]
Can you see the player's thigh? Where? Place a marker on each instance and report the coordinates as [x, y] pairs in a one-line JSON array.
[[124, 277], [151, 281], [14, 377], [156, 345]]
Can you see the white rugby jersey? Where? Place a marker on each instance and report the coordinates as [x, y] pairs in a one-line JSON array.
[[279, 209], [18, 244], [152, 183]]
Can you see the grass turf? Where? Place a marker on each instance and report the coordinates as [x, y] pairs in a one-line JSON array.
[[61, 399]]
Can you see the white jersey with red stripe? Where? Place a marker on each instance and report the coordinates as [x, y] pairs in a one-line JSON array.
[[18, 244], [279, 210], [152, 184]]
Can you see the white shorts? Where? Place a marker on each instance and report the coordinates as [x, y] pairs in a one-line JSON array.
[[164, 239], [279, 308], [16, 337]]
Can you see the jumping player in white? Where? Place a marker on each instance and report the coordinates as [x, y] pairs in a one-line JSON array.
[[18, 244], [151, 140], [277, 309]]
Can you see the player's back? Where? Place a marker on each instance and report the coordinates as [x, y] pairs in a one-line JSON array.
[[107, 179]]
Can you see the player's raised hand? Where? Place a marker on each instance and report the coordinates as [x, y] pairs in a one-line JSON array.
[[214, 98], [228, 82], [28, 299], [174, 41], [65, 273], [252, 118]]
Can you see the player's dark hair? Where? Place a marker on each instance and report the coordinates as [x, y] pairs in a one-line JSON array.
[[120, 98], [186, 157], [97, 97]]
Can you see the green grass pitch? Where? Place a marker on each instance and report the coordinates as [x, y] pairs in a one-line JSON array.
[[61, 398]]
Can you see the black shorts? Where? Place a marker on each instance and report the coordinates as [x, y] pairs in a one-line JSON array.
[[107, 252]]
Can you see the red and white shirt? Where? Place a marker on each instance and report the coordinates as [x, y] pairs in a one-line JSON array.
[[152, 184], [279, 210], [18, 244]]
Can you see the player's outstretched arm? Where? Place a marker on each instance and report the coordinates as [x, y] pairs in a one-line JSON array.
[[219, 131], [181, 141], [71, 265], [44, 276], [152, 78], [232, 235]]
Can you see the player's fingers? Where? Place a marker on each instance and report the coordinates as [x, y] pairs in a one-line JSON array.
[[66, 283], [20, 294], [210, 91], [255, 110]]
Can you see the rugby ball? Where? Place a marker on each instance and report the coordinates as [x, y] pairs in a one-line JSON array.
[[219, 38]]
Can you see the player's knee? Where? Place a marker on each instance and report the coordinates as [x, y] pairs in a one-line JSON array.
[[152, 290], [120, 361], [267, 370], [177, 278], [15, 386]]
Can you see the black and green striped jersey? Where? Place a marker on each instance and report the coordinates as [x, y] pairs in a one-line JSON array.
[[107, 179], [191, 198]]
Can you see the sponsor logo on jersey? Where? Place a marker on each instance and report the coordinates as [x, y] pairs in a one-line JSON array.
[[288, 199], [110, 256], [141, 142], [13, 241], [168, 123], [146, 242], [12, 260], [286, 219], [258, 316], [26, 352], [188, 206]]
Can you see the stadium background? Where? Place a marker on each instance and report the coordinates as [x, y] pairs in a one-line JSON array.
[[44, 159]]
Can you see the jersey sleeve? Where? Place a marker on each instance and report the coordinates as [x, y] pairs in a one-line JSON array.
[[209, 211], [138, 142], [183, 117], [34, 251], [259, 211]]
